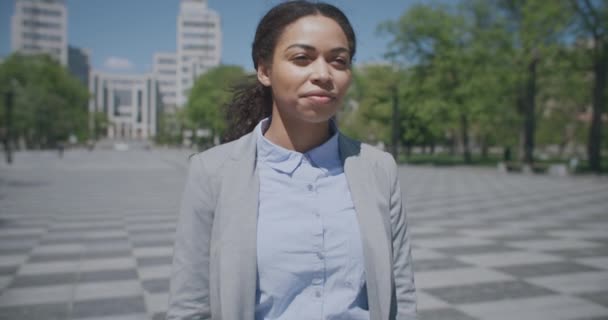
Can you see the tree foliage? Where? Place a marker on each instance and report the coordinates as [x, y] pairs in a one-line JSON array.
[[211, 92], [49, 104]]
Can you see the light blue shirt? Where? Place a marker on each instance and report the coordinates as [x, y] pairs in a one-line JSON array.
[[309, 250]]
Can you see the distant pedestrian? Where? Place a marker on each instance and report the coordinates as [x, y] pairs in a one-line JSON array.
[[293, 220]]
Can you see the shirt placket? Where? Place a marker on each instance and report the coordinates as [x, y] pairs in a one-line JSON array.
[[318, 276]]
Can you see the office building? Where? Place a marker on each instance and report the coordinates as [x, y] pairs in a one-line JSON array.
[[129, 101], [199, 41], [165, 71], [40, 26], [79, 64]]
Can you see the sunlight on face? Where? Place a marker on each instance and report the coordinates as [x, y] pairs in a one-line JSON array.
[[310, 71]]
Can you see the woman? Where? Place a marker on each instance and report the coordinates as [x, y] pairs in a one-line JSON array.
[[293, 220]]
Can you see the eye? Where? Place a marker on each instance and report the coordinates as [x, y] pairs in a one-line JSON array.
[[341, 62], [301, 59]]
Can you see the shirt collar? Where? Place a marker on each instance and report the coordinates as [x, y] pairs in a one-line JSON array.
[[326, 156]]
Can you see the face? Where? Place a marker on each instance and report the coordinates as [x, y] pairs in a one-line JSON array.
[[310, 70]]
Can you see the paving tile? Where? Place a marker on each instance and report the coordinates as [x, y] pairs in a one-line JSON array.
[[108, 275], [453, 277], [438, 264], [508, 258], [36, 295], [22, 281], [475, 249], [545, 269], [109, 307], [56, 311], [489, 291], [154, 261], [555, 307], [444, 314], [577, 283], [600, 297], [107, 289], [156, 285]]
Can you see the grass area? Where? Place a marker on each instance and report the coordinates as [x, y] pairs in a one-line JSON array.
[[448, 160], [540, 166]]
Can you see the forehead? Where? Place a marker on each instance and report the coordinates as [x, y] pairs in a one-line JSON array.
[[317, 31]]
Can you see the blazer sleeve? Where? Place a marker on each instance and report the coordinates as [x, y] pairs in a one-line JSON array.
[[189, 288], [405, 290]]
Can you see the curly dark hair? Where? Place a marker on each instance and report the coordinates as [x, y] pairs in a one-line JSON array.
[[252, 101]]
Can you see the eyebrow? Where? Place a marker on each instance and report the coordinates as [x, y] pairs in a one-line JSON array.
[[311, 48]]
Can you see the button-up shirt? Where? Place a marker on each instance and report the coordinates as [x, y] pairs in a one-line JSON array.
[[309, 251]]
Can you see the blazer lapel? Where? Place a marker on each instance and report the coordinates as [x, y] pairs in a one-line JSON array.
[[376, 249], [239, 209]]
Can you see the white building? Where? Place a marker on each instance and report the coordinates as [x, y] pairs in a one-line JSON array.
[[40, 26], [165, 71], [199, 42], [129, 101]]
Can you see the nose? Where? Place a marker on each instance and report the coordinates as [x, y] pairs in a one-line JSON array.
[[320, 71]]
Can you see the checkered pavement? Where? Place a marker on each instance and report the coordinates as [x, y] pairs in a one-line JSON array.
[[90, 236]]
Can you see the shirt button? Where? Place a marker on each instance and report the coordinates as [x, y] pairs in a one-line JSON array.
[[320, 255], [317, 214], [310, 187], [318, 294]]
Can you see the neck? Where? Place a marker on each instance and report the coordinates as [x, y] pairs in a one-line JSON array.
[[297, 135]]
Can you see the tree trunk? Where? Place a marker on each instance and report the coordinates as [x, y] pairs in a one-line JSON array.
[[464, 127], [529, 111], [594, 146]]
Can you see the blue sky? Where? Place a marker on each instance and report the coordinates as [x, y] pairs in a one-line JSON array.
[[133, 30]]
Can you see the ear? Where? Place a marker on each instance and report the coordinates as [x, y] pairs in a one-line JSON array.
[[263, 73]]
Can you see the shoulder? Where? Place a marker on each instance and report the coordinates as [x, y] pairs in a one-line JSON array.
[[368, 153], [214, 159]]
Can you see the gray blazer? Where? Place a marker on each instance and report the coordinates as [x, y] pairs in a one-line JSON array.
[[214, 265]]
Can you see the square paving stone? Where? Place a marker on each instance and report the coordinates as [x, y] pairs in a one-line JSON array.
[[154, 261], [108, 307], [152, 242], [443, 314], [57, 311], [108, 275], [159, 316], [597, 297], [489, 291], [545, 269], [22, 281], [96, 254], [438, 264], [54, 257], [156, 285], [477, 249], [8, 270], [601, 251]]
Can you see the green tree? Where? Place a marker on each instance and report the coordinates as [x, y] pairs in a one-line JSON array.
[[536, 27], [49, 103], [211, 92], [455, 50], [591, 26]]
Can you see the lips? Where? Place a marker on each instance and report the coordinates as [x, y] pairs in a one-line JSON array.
[[319, 97]]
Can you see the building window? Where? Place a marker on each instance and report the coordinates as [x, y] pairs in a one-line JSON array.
[[198, 47], [189, 35], [166, 61], [37, 36], [44, 12], [172, 72], [199, 24], [41, 24]]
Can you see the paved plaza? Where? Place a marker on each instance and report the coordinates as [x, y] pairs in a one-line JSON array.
[[90, 236]]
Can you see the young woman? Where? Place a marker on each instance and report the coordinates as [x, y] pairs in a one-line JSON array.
[[293, 220]]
